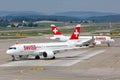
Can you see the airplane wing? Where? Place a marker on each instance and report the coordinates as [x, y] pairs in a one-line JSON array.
[[83, 41], [50, 53], [86, 40], [41, 51]]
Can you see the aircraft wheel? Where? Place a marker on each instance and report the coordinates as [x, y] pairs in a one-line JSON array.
[[20, 56], [13, 58], [37, 57], [53, 57], [87, 45]]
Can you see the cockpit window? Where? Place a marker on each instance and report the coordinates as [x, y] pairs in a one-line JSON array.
[[12, 48]]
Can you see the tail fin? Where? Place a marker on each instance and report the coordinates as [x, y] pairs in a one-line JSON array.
[[75, 33], [55, 30]]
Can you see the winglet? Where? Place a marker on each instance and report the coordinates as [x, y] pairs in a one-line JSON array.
[[75, 33], [55, 30]]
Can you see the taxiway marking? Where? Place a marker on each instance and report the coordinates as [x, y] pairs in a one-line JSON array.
[[79, 58]]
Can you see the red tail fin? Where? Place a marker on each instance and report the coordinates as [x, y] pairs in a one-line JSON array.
[[55, 30], [75, 33]]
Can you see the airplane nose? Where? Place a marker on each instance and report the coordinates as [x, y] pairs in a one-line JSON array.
[[8, 52], [113, 40]]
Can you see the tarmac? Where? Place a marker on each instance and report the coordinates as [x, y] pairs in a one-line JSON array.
[[96, 63]]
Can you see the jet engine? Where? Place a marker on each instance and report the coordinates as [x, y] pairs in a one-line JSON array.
[[48, 55], [97, 42], [53, 38]]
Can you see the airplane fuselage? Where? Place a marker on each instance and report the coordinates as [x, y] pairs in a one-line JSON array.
[[36, 48], [96, 38]]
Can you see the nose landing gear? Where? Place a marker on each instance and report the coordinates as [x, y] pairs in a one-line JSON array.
[[13, 58]]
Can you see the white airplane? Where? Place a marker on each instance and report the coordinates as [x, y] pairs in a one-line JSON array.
[[96, 40], [43, 49]]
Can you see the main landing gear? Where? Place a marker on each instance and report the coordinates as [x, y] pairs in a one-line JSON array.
[[37, 57], [53, 57]]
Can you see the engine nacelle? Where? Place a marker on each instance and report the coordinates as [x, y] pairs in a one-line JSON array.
[[53, 38], [97, 42], [86, 44], [48, 54], [63, 39]]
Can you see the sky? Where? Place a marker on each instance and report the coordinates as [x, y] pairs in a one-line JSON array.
[[52, 6]]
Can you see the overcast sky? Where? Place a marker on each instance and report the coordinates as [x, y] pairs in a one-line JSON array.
[[51, 6]]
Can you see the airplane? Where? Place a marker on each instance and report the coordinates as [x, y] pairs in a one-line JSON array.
[[87, 40], [43, 49]]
